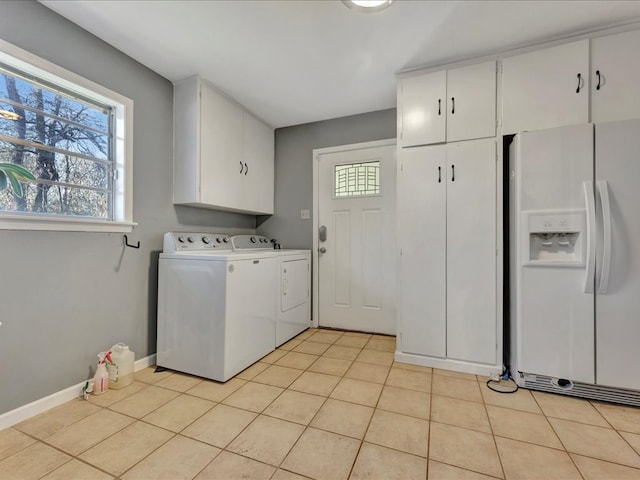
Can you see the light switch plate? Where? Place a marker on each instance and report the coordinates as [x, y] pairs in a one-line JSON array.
[[304, 214]]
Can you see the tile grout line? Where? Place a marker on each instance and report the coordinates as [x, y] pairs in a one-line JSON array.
[[307, 426], [493, 435], [355, 459], [430, 420]]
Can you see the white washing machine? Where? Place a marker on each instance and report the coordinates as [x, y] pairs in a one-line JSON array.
[[216, 307], [294, 290]]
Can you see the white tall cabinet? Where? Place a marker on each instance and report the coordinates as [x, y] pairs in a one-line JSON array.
[[448, 271], [223, 155]]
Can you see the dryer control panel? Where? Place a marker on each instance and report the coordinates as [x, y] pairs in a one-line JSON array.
[[251, 242]]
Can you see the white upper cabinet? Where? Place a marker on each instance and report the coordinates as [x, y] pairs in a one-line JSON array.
[[615, 77], [220, 141], [258, 175], [545, 89], [471, 102], [223, 155], [448, 105], [423, 109]]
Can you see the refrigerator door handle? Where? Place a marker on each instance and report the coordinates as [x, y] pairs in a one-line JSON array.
[[603, 188], [589, 199]]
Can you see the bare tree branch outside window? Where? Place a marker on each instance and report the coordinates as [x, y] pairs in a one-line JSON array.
[[64, 140]]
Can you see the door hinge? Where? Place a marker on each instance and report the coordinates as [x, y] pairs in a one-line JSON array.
[[115, 175], [501, 67]]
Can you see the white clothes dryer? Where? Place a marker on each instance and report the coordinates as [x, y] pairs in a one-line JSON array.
[[293, 272], [216, 307]]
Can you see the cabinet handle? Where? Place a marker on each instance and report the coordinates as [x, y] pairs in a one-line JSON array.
[[439, 174], [439, 112], [246, 168], [579, 79], [241, 167], [453, 173], [599, 78], [453, 105]]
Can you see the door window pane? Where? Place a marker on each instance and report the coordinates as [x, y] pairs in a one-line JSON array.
[[357, 179]]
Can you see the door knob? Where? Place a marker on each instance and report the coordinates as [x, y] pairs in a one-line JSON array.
[[322, 250]]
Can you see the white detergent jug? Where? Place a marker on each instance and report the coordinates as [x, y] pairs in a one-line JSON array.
[[121, 368]]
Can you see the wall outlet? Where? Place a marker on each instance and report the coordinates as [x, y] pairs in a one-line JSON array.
[[304, 214]]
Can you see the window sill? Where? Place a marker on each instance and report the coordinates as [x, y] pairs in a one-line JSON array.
[[28, 222]]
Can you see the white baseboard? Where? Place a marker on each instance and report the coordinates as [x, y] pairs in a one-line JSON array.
[[29, 410], [448, 364]]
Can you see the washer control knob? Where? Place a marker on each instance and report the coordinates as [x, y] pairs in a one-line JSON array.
[[206, 240], [218, 240], [253, 239], [181, 239], [190, 239], [225, 239]]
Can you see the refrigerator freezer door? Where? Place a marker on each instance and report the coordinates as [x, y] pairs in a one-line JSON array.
[[554, 316], [618, 310]]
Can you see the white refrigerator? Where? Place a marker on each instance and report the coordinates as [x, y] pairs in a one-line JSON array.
[[575, 260]]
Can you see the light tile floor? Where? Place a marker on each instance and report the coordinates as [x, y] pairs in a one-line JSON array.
[[326, 405]]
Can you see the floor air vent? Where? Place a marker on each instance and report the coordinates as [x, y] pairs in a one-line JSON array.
[[577, 389]]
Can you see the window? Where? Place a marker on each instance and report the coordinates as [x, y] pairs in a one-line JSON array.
[[74, 136], [357, 179]]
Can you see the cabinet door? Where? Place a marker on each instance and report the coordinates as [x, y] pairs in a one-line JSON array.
[[615, 92], [542, 90], [471, 251], [220, 150], [258, 158], [471, 102], [421, 237], [423, 100]]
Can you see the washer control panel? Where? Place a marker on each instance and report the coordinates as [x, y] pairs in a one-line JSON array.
[[195, 242]]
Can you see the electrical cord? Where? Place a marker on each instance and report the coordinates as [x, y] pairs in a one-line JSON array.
[[505, 376]]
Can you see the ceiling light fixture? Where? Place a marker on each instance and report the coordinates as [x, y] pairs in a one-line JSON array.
[[368, 5]]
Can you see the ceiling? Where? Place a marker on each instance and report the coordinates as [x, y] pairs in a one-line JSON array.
[[298, 61]]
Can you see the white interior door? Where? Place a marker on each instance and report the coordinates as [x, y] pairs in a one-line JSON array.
[[356, 258]]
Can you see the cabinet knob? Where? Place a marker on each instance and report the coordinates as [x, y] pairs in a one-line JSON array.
[[439, 111], [453, 105], [439, 174], [246, 168], [241, 168], [599, 79], [453, 173]]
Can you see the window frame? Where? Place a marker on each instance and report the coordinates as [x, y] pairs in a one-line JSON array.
[[122, 221]]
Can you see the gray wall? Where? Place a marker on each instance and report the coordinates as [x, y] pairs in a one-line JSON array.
[[65, 296], [294, 169]]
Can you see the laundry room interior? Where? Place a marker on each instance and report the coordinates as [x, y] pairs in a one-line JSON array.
[[319, 239]]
